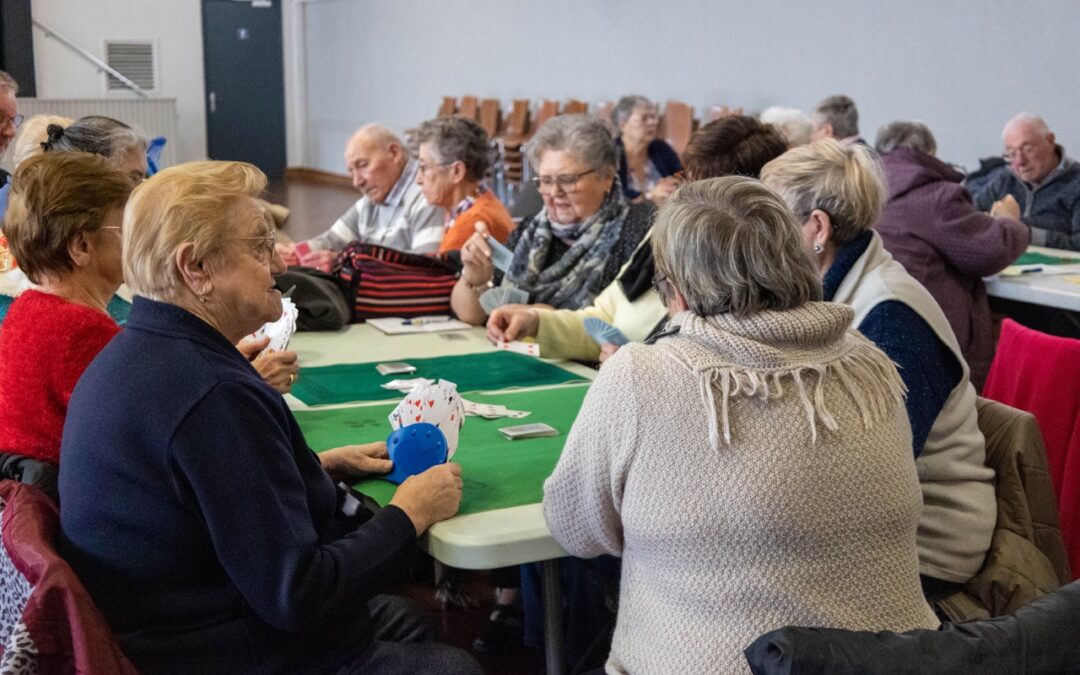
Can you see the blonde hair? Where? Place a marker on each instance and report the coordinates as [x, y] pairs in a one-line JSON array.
[[55, 198], [844, 181], [189, 203], [32, 134], [732, 246]]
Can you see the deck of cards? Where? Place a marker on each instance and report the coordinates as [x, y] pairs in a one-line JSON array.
[[536, 430], [493, 298], [491, 411], [281, 331], [500, 255], [603, 332]]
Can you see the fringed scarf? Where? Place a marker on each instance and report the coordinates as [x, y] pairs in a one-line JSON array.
[[775, 354], [573, 280]]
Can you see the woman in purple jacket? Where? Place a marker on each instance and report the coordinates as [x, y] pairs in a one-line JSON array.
[[931, 227]]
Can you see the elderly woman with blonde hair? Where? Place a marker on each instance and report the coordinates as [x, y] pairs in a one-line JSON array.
[[837, 193], [758, 404], [222, 543]]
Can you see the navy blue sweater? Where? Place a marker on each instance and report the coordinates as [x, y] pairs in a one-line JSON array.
[[662, 155], [194, 512], [927, 366]]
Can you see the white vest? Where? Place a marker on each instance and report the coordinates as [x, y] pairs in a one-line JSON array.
[[959, 504]]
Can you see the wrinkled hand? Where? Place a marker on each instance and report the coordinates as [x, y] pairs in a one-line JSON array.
[[279, 369], [607, 350], [512, 322], [350, 461], [320, 260], [287, 253], [430, 497], [1006, 207], [477, 269]]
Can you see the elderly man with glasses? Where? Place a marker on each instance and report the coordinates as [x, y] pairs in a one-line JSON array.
[[10, 119], [392, 211], [1042, 179]]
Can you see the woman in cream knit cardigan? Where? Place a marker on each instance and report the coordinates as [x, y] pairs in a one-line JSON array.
[[753, 466]]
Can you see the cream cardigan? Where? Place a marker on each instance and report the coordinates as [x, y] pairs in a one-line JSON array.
[[751, 474]]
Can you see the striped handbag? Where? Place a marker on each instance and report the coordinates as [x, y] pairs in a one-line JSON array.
[[387, 282]]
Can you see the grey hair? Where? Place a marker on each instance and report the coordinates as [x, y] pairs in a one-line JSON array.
[[97, 135], [1028, 119], [910, 134], [732, 246], [793, 123], [457, 139], [844, 181], [841, 113], [583, 136], [625, 108], [7, 82]]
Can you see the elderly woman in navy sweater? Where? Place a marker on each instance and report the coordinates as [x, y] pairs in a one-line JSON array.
[[219, 542], [647, 164], [837, 193]]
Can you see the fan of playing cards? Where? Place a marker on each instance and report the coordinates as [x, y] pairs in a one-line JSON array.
[[280, 331], [493, 298], [438, 404], [603, 332]]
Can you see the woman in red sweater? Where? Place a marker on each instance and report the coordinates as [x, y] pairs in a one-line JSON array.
[[63, 225]]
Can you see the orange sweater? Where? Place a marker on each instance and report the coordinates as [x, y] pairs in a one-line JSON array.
[[487, 209]]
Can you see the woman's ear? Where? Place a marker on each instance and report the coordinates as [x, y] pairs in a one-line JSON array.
[[194, 273], [81, 248], [821, 223]]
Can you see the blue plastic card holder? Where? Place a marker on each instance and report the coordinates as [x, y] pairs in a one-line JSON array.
[[415, 449]]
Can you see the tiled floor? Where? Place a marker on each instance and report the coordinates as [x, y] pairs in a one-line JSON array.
[[314, 207]]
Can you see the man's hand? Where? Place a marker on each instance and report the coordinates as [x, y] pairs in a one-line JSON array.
[[279, 369], [352, 461], [320, 260], [430, 497], [287, 253], [512, 322], [1006, 207]]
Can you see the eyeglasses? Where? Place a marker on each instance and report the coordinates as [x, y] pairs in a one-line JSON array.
[[657, 282], [1026, 150], [265, 250], [566, 182], [118, 229], [15, 121]]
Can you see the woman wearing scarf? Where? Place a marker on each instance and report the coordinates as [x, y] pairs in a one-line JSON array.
[[570, 251], [730, 146]]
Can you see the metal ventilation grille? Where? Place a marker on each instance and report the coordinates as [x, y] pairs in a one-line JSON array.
[[134, 60]]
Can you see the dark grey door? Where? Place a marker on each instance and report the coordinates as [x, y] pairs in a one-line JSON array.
[[245, 83]]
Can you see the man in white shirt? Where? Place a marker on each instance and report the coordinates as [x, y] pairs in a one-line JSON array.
[[392, 211]]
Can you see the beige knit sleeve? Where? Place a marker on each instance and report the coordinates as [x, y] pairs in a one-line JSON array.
[[583, 496]]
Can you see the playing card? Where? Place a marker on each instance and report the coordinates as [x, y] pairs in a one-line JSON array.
[[603, 332], [515, 296], [435, 403], [527, 348], [302, 248], [394, 368], [406, 385], [491, 299], [281, 331], [491, 411], [500, 255]]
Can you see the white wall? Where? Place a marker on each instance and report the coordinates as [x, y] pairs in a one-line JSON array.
[[962, 66], [176, 26]]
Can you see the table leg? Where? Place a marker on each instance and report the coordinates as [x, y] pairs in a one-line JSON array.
[[553, 619]]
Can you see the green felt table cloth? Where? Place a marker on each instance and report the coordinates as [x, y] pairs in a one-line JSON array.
[[1033, 258], [487, 371], [497, 473]]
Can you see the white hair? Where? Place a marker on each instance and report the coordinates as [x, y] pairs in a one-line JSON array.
[[1034, 122], [793, 123]]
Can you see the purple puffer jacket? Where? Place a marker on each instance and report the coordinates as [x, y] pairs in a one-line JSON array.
[[931, 227]]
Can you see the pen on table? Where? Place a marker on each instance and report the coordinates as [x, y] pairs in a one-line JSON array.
[[421, 320], [1031, 270]]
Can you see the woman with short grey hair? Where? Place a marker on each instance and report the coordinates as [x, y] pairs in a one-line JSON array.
[[758, 403], [933, 229], [454, 156], [647, 164], [568, 252]]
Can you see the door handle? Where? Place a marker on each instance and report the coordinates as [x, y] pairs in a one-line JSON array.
[[213, 103]]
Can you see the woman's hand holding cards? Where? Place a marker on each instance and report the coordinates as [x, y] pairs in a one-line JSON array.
[[512, 322], [476, 259]]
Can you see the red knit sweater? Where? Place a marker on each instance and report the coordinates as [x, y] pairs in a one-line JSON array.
[[46, 343]]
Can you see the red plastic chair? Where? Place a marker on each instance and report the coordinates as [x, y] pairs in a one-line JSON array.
[[48, 624], [1040, 373]]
